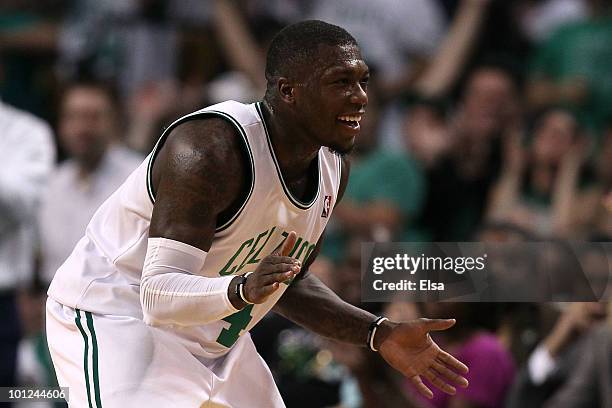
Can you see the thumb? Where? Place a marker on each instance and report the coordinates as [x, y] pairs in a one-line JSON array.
[[437, 324], [285, 248]]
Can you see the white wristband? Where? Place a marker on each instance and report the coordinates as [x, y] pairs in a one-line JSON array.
[[372, 331], [241, 289]]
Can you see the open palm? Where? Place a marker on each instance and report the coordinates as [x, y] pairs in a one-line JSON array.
[[409, 349]]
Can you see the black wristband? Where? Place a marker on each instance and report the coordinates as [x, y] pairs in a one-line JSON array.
[[240, 288]]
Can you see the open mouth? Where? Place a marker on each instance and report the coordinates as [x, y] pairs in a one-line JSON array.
[[351, 121]]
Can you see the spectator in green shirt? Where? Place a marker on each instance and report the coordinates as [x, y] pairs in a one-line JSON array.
[[573, 67]]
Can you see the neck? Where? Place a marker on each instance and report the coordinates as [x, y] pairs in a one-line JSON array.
[[293, 150], [88, 165]]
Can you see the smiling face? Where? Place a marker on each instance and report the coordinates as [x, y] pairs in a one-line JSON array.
[[330, 97]]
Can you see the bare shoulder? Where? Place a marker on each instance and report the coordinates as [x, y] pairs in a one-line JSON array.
[[197, 147], [198, 173]]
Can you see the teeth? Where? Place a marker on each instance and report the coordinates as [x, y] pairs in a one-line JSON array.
[[356, 118]]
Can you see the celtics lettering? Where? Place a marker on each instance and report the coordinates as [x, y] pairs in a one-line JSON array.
[[248, 253]]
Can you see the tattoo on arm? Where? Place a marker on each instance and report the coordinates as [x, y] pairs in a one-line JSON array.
[[197, 175]]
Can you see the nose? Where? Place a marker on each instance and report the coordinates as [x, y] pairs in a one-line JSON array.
[[359, 95]]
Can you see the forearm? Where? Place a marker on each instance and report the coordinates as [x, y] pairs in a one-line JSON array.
[[185, 300], [504, 196], [239, 45], [312, 305], [171, 292], [450, 59]]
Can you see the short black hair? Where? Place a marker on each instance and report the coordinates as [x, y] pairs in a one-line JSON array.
[[297, 45], [501, 62], [109, 90]]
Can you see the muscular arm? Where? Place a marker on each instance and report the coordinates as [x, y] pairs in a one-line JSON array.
[[197, 175], [325, 309], [327, 314], [407, 347]]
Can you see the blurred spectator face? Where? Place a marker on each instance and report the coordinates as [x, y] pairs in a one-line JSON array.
[[489, 101], [87, 123], [553, 137]]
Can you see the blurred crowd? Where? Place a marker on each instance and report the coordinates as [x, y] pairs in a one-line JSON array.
[[488, 120]]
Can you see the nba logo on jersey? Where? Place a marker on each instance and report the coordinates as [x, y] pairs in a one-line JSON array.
[[326, 205]]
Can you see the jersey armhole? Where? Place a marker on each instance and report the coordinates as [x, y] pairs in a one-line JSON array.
[[228, 219]]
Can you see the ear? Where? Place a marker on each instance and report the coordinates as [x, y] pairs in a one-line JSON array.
[[286, 90]]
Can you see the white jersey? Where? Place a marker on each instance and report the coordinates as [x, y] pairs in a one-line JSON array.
[[102, 275]]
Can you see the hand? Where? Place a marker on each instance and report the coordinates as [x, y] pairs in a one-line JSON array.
[[515, 156], [408, 348], [274, 269], [577, 154], [577, 318], [429, 139]]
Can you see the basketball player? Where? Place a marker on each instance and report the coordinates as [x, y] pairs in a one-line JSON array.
[[216, 228]]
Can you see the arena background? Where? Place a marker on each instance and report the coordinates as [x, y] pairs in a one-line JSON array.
[[488, 120]]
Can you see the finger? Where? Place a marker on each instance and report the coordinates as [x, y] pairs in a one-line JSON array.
[[278, 277], [422, 388], [433, 378], [452, 362], [269, 289], [280, 268], [449, 375], [285, 248], [437, 324], [277, 259]]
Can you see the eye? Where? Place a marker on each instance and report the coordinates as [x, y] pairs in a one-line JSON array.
[[364, 82], [343, 81]]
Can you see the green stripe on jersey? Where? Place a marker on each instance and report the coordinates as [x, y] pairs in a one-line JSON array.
[[94, 342], [77, 320]]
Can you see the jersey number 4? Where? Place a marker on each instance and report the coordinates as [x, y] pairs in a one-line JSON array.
[[239, 321]]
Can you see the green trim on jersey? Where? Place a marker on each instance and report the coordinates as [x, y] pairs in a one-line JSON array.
[[163, 138], [294, 200], [94, 341], [94, 345]]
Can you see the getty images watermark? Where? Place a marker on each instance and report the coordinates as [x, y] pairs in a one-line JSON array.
[[471, 271]]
